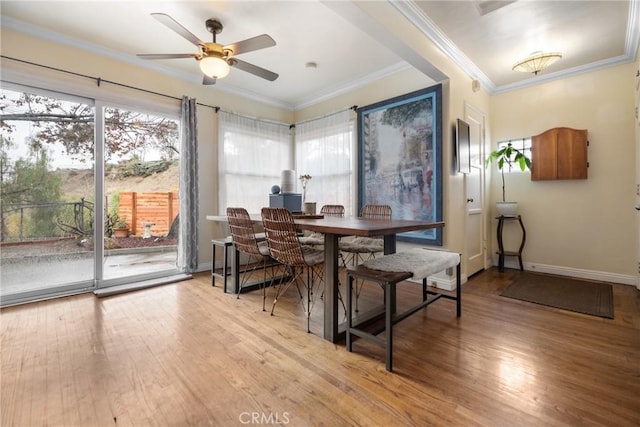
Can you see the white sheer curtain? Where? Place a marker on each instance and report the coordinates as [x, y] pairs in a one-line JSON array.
[[253, 154], [324, 150]]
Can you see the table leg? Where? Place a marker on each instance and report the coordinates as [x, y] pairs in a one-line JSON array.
[[390, 244], [390, 248], [331, 287]]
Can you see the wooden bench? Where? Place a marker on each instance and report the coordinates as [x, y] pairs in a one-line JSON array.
[[425, 262]]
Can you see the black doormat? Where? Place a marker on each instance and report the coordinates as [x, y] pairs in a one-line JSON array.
[[580, 296]]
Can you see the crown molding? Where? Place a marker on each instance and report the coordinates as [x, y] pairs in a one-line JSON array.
[[410, 10], [632, 40], [353, 85]]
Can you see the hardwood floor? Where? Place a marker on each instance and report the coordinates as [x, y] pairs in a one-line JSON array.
[[187, 354]]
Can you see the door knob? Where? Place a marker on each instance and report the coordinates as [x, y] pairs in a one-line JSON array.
[[469, 200]]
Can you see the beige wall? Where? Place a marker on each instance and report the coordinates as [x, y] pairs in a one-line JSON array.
[[590, 232], [582, 227], [457, 92]]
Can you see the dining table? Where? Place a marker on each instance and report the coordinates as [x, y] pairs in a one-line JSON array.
[[333, 228]]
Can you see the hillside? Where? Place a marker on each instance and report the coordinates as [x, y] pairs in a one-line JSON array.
[[78, 183]]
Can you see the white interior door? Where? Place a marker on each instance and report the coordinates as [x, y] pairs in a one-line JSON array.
[[475, 240]]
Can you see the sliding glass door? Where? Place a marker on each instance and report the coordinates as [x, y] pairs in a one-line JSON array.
[[73, 173], [47, 194], [141, 159]]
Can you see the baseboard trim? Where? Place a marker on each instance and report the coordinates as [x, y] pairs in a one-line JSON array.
[[578, 273], [205, 266], [144, 284]]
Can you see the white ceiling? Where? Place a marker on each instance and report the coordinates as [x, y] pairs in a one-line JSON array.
[[349, 46]]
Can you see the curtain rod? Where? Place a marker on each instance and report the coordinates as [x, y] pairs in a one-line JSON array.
[[353, 107], [252, 118], [100, 80]]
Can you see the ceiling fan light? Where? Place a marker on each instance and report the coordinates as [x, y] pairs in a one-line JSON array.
[[213, 67], [536, 62]]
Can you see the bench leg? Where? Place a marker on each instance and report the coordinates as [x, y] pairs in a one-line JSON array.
[[458, 291], [213, 264], [389, 291], [225, 264], [349, 319]]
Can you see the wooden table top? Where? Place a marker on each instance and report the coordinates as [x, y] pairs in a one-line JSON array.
[[352, 226], [357, 226]]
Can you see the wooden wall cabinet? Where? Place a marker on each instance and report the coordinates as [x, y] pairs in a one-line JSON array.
[[559, 153]]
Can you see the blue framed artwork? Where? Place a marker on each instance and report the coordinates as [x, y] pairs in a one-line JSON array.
[[400, 159]]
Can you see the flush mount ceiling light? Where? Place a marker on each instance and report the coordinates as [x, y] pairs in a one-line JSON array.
[[216, 68], [537, 62]]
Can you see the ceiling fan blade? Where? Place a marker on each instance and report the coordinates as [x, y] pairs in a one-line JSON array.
[[206, 80], [166, 55], [178, 28], [249, 45], [253, 69]]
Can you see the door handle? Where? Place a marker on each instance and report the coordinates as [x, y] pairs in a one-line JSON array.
[[471, 201]]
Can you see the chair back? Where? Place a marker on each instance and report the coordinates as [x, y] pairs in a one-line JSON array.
[[332, 210], [242, 232], [376, 211], [282, 237]]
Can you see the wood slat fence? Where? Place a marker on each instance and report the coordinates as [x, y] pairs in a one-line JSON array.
[[159, 208]]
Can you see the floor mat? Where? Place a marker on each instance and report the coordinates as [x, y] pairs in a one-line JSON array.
[[580, 296]]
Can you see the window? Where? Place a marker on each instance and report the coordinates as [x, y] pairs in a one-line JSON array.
[[523, 144], [253, 154], [324, 150]]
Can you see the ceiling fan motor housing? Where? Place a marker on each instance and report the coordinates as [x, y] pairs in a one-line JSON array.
[[214, 27]]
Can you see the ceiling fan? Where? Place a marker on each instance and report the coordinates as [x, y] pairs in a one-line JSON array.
[[214, 58]]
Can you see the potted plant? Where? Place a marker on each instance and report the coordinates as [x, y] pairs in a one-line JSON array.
[[506, 157], [304, 179], [120, 227]]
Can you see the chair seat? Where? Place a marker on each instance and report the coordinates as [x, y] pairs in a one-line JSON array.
[[263, 247], [314, 239], [362, 245], [312, 256]]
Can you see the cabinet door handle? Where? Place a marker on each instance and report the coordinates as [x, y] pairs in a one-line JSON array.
[[469, 200]]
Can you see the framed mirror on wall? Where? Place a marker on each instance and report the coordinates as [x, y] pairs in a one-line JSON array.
[[462, 147]]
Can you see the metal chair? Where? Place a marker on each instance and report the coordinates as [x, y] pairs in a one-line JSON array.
[[245, 242], [332, 210], [361, 249], [284, 246]]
